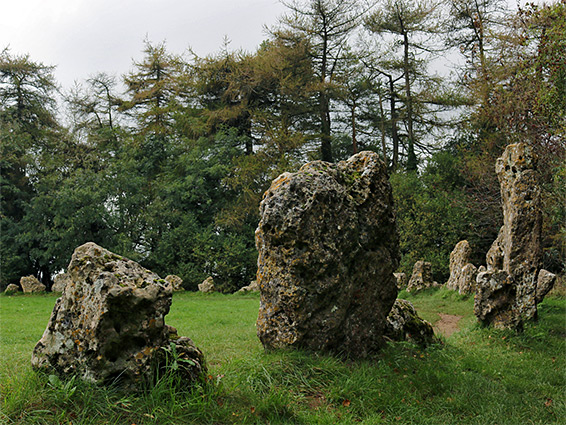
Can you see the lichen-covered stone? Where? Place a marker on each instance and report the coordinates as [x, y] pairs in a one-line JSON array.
[[12, 288], [401, 279], [252, 287], [404, 324], [59, 282], [462, 273], [207, 285], [328, 246], [517, 251], [30, 285], [545, 282], [176, 282], [109, 324], [421, 277]]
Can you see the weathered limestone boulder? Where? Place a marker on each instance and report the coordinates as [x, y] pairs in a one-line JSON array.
[[207, 285], [421, 277], [12, 288], [404, 324], [462, 273], [517, 251], [545, 282], [328, 246], [31, 285], [59, 282], [109, 324], [401, 279], [252, 287], [176, 282]]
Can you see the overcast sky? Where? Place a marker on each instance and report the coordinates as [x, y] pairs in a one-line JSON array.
[[83, 37]]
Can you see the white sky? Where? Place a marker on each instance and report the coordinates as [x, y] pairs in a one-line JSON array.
[[84, 37]]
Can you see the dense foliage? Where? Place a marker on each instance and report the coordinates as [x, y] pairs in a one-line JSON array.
[[167, 165]]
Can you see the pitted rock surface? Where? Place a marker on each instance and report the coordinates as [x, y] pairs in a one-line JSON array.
[[59, 282], [517, 251], [176, 283], [404, 324], [421, 277], [109, 324], [12, 288], [401, 279], [328, 246], [462, 272], [30, 285], [207, 285]]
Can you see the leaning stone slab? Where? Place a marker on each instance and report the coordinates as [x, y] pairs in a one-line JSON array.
[[30, 285], [404, 324], [328, 246], [109, 327]]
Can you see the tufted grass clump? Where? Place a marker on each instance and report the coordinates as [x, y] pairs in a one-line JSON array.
[[476, 376]]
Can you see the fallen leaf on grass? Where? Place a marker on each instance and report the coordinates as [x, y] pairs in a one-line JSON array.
[[346, 403], [548, 402]]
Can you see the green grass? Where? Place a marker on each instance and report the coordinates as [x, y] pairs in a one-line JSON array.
[[476, 376]]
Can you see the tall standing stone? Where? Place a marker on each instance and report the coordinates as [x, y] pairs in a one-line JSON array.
[[462, 273], [109, 326], [328, 247], [507, 291]]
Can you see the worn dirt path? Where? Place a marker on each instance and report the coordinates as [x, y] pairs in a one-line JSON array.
[[447, 325]]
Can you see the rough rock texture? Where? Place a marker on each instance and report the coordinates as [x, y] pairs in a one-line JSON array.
[[12, 288], [462, 273], [176, 282], [401, 279], [252, 287], [207, 285], [108, 326], [59, 282], [30, 284], [517, 251], [404, 324], [328, 246], [421, 277], [545, 282]]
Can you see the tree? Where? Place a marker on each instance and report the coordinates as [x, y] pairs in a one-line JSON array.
[[410, 29], [327, 26], [28, 129]]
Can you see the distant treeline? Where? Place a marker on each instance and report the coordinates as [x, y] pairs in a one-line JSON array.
[[167, 164]]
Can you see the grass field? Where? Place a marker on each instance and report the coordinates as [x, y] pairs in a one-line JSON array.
[[476, 376]]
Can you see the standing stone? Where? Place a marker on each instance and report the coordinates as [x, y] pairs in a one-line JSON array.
[[507, 301], [176, 282], [328, 246], [109, 324], [59, 282], [30, 285], [252, 287], [401, 279], [12, 288], [462, 272], [404, 324], [421, 277], [207, 286]]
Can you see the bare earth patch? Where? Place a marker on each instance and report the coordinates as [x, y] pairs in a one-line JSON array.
[[448, 324]]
